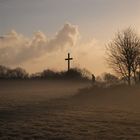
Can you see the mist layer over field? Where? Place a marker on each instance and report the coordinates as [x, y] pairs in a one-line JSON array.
[[28, 91], [59, 110]]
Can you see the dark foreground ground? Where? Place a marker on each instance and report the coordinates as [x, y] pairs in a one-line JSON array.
[[40, 110]]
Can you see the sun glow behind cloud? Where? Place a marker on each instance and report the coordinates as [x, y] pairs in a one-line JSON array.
[[41, 52]]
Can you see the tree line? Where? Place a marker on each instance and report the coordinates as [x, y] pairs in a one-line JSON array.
[[106, 79], [17, 73], [20, 73]]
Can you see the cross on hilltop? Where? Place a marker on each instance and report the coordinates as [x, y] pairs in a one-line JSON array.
[[68, 59]]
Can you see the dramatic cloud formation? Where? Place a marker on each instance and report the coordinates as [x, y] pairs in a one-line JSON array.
[[87, 54], [16, 48], [42, 52]]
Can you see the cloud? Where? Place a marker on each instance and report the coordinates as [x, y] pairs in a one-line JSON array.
[[15, 48], [41, 52]]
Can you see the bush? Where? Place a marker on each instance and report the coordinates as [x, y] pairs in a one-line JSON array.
[[72, 74], [7, 73]]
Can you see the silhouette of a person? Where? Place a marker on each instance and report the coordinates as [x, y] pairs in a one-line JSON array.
[[93, 79]]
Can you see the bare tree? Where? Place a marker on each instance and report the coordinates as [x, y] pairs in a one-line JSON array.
[[110, 78], [123, 54]]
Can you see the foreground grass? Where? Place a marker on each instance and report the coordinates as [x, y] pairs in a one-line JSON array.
[[102, 114]]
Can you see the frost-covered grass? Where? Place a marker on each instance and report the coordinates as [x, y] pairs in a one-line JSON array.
[[42, 110]]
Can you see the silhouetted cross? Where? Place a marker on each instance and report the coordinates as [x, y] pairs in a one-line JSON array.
[[69, 59]]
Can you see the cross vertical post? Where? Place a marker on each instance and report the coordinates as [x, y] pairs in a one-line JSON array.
[[69, 59]]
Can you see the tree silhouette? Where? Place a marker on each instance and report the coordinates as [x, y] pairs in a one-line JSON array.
[[7, 73], [123, 53], [72, 74], [18, 73], [4, 72], [110, 78]]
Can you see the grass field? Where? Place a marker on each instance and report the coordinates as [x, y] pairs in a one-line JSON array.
[[40, 110]]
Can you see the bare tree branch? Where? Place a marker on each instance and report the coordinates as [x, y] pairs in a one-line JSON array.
[[123, 53]]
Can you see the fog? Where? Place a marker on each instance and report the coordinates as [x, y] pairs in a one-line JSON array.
[[41, 109], [27, 91]]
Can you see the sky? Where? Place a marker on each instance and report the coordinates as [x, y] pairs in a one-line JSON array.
[[38, 34]]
